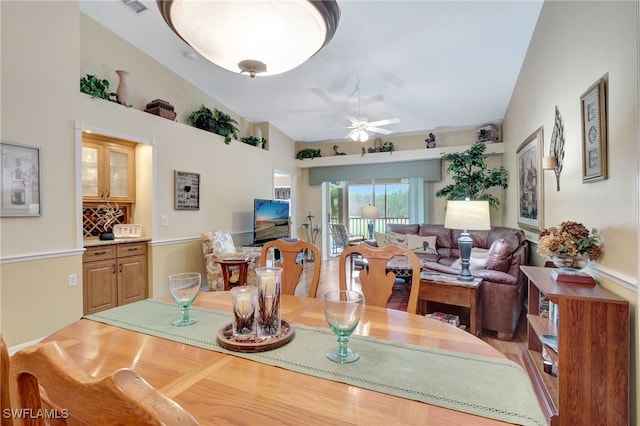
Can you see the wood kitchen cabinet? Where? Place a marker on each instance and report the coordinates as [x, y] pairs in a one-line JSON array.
[[108, 170], [591, 386], [114, 275]]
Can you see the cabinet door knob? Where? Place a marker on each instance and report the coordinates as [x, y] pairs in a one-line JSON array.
[[121, 268]]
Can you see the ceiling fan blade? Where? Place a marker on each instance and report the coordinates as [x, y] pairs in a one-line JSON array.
[[355, 122], [371, 100], [385, 122], [380, 130]]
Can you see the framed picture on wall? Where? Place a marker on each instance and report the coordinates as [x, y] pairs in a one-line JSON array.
[[20, 181], [594, 132], [187, 191], [530, 190]]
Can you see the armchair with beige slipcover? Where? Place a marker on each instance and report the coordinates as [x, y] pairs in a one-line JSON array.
[[217, 245]]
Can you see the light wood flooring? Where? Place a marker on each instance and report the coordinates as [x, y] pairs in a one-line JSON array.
[[329, 281]]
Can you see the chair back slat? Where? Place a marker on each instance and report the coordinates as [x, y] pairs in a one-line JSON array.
[[376, 281], [291, 266]]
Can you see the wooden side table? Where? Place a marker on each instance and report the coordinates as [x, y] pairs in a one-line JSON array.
[[449, 290], [241, 263]]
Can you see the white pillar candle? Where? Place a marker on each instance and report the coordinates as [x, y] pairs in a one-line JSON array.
[[268, 283], [243, 304]]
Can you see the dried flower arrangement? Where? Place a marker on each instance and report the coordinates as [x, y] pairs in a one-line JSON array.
[[570, 239]]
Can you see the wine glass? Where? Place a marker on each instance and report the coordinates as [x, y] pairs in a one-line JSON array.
[[343, 309], [184, 288]]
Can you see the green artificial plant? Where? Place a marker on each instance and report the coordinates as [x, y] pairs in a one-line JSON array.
[[255, 141], [215, 121], [97, 88], [471, 176], [308, 153]]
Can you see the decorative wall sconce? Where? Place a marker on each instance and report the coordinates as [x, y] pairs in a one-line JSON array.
[[556, 149]]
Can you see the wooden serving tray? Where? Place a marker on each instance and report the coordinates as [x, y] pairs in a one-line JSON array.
[[257, 344]]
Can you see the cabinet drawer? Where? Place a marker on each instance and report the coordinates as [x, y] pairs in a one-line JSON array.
[[99, 253], [132, 249]]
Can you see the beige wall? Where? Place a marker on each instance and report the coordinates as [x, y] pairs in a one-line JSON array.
[[41, 105], [574, 44]]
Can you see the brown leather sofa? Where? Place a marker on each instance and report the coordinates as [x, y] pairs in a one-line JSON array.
[[503, 289]]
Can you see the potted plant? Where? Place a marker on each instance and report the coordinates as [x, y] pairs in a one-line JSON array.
[[97, 88], [472, 178], [215, 121], [255, 141], [308, 153]]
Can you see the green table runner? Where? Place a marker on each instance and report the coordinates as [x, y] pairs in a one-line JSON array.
[[488, 387]]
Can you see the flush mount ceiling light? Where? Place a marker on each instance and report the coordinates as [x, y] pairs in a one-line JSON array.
[[256, 37]]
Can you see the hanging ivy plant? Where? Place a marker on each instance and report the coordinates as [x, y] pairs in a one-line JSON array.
[[215, 121], [97, 88]]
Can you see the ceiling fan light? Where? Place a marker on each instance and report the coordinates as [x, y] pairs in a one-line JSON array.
[[363, 136], [281, 34], [354, 136]]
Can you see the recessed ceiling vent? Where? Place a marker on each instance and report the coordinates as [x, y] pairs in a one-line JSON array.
[[135, 5]]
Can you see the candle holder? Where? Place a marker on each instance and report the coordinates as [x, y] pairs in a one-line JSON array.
[[269, 291], [244, 299]]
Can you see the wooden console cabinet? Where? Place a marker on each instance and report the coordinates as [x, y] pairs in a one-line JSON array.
[[592, 382], [114, 275]]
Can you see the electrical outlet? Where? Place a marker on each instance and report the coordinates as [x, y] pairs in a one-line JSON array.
[[73, 280], [164, 220]]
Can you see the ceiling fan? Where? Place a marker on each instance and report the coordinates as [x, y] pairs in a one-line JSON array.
[[360, 127]]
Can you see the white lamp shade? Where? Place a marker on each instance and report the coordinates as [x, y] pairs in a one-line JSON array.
[[278, 34], [549, 163], [370, 212], [469, 215]]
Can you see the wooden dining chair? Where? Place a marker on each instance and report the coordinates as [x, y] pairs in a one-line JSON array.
[[377, 283], [291, 260], [44, 376], [5, 401]]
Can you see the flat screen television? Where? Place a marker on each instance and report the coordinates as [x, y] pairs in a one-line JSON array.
[[270, 220]]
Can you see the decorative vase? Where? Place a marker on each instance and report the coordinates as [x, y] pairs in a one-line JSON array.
[[123, 95], [565, 261], [259, 133]]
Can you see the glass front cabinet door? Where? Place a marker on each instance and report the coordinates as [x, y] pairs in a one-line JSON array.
[[108, 172]]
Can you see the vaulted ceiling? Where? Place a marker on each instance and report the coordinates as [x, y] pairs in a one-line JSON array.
[[435, 65]]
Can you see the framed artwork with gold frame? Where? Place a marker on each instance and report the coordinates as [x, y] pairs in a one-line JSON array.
[[594, 132], [530, 190]]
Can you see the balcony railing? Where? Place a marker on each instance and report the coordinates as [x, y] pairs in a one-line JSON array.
[[359, 226]]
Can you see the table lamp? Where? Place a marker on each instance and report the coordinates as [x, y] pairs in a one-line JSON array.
[[467, 215], [370, 212]]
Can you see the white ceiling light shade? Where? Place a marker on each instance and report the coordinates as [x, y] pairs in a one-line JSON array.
[[254, 36], [359, 135]]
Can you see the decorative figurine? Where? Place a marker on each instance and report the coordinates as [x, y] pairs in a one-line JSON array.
[[336, 152], [431, 141]]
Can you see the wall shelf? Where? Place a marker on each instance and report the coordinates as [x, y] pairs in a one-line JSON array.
[[390, 157]]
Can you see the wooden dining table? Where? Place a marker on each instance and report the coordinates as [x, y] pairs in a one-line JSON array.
[[219, 388]]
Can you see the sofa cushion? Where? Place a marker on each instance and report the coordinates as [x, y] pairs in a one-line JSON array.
[[499, 257], [391, 239], [477, 260], [402, 228], [421, 245]]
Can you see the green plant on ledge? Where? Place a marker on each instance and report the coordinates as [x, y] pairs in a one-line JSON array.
[[252, 140], [471, 176], [308, 153], [214, 121], [97, 88]]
